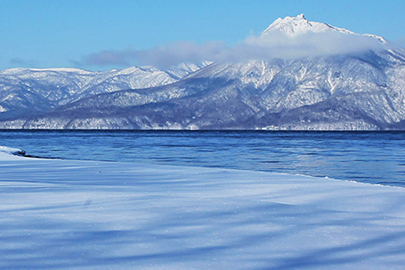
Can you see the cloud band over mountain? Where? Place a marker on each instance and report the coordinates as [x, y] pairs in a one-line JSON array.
[[269, 46]]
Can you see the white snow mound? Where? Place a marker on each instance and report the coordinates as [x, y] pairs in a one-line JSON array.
[[11, 151]]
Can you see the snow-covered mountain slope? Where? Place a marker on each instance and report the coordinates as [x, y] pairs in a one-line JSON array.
[[357, 88], [28, 91]]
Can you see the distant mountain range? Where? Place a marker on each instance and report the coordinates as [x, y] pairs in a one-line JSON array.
[[342, 81]]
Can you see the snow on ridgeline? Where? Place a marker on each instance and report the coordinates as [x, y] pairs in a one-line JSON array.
[[102, 215], [293, 26]]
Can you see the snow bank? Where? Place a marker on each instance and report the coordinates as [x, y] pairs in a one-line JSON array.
[[4, 151], [58, 214]]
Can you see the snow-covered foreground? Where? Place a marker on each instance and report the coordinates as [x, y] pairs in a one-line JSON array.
[[58, 214]]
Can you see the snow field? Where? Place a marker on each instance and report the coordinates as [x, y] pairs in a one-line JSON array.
[[59, 214]]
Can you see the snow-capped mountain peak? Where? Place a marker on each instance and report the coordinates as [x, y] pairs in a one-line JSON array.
[[301, 75], [293, 26]]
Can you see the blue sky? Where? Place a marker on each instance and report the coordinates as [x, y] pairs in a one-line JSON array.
[[62, 33]]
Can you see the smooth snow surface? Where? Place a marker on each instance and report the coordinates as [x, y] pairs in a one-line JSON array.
[[58, 214]]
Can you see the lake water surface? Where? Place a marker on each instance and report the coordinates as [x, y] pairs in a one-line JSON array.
[[373, 157]]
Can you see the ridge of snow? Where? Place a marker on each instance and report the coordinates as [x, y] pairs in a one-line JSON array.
[[67, 70], [293, 26], [76, 70], [11, 151], [379, 38]]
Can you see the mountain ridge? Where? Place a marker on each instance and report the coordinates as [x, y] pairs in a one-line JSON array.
[[359, 89]]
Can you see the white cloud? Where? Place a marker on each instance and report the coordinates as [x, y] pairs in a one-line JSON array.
[[279, 45], [273, 45]]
